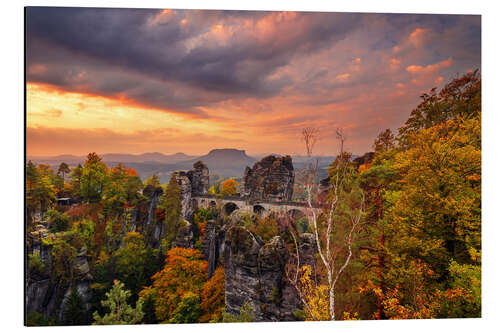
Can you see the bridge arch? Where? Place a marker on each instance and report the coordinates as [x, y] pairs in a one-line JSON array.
[[259, 210], [229, 207]]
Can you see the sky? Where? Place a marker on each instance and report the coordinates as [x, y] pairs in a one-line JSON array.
[[161, 80]]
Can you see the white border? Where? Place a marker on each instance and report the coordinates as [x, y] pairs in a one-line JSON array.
[[12, 132]]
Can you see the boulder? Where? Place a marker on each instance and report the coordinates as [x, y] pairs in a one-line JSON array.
[[269, 179]]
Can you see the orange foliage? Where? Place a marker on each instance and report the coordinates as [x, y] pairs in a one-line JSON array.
[[229, 187], [212, 297], [184, 271], [364, 167], [131, 172], [202, 226]]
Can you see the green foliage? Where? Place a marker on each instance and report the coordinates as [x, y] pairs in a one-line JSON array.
[[275, 296], [40, 189], [37, 319], [76, 178], [86, 231], [215, 189], [148, 307], [135, 262], [63, 257], [35, 264], [93, 179], [74, 310], [120, 312], [188, 310], [245, 315], [173, 210], [57, 220], [266, 228], [154, 181], [467, 278]]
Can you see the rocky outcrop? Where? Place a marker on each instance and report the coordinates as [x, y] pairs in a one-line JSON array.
[[184, 236], [210, 246], [192, 182], [199, 177], [255, 273], [184, 183], [270, 179]]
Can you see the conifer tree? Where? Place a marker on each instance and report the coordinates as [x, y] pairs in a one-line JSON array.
[[74, 312], [121, 313]]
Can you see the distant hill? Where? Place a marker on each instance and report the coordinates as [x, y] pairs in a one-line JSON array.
[[123, 158], [226, 162]]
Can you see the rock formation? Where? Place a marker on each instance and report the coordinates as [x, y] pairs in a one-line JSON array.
[[46, 295], [191, 183], [255, 273], [270, 179], [186, 192], [199, 177]]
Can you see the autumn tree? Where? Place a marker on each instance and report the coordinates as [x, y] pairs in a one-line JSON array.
[[459, 98], [376, 181], [212, 297], [184, 272], [229, 187], [42, 192], [334, 229], [94, 178]]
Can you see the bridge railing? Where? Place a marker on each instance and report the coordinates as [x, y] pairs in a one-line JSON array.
[[254, 202]]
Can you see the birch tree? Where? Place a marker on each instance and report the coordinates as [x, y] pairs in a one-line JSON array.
[[334, 226]]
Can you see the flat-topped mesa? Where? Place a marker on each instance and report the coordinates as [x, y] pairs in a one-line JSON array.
[[270, 179]]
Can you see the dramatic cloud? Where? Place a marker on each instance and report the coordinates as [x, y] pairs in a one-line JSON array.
[[253, 78]]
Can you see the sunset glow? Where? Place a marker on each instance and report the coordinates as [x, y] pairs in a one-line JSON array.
[[191, 81]]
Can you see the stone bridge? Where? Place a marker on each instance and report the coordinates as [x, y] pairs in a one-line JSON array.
[[266, 188], [262, 207]]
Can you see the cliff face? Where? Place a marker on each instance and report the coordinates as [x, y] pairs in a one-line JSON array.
[[255, 273], [271, 178], [47, 295]]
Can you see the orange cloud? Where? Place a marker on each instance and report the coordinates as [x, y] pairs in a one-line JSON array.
[[37, 69], [418, 36], [395, 63], [344, 76], [415, 69]]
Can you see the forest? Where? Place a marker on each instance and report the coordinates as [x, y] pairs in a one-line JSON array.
[[396, 233]]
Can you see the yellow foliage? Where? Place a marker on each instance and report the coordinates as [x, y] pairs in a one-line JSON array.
[[316, 296]]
